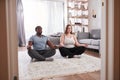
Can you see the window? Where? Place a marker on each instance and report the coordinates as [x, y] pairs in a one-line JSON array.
[[48, 14]]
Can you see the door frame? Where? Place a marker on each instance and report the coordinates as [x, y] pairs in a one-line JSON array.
[[107, 40], [107, 43]]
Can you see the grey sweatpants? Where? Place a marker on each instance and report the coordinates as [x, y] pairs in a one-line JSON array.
[[40, 55]]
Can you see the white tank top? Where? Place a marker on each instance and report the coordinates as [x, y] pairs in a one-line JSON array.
[[69, 42]]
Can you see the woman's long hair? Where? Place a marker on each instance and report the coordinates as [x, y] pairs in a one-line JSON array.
[[67, 28]]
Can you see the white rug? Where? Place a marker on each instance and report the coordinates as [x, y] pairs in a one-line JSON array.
[[59, 67]]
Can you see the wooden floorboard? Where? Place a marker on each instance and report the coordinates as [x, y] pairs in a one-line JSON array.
[[85, 76], [93, 53], [95, 75]]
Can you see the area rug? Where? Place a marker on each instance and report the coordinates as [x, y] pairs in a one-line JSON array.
[[59, 67]]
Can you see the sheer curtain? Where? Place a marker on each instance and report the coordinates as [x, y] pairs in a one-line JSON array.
[[20, 24], [55, 17], [48, 14]]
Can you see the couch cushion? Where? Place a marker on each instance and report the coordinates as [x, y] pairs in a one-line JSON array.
[[56, 34], [54, 40], [82, 35], [86, 41], [93, 47], [95, 34], [95, 42]]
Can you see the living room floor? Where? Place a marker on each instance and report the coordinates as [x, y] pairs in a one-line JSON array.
[[85, 76]]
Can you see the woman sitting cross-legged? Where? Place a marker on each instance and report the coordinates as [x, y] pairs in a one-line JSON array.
[[69, 46]]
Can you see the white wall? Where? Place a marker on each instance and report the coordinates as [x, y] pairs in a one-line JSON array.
[[96, 5]]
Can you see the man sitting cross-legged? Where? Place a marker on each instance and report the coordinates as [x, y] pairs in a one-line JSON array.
[[40, 52]]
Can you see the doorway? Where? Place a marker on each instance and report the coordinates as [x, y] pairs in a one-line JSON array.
[[105, 53]]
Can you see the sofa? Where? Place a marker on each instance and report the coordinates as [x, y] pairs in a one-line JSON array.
[[91, 38], [55, 38]]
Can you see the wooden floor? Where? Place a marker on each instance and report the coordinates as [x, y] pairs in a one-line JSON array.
[[93, 53], [85, 76]]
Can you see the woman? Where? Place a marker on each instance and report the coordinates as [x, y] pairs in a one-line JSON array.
[[69, 46]]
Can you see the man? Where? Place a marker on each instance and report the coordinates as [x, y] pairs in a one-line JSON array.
[[39, 42]]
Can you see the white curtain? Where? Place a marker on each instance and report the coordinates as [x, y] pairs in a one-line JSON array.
[[47, 14], [20, 24], [55, 17]]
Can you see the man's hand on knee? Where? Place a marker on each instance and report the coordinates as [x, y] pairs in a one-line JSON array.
[[29, 47]]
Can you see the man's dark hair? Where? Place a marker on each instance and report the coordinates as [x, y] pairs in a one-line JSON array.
[[38, 27]]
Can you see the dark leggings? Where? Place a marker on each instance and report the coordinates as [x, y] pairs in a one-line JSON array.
[[70, 52], [41, 54]]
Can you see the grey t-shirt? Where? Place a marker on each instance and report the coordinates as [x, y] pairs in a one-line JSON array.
[[39, 43]]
